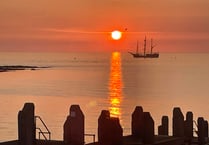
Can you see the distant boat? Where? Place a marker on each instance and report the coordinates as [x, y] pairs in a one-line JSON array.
[[145, 55]]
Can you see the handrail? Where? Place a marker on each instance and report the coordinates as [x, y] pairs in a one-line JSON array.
[[195, 123], [43, 133], [93, 135], [40, 131], [196, 131]]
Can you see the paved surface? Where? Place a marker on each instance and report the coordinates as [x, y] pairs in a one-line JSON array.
[[127, 140]]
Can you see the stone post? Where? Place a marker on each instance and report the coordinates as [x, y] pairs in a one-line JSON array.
[[109, 129], [117, 135], [178, 122], [201, 130], [148, 135], [206, 128], [74, 126], [26, 125], [188, 126], [103, 135], [20, 128], [163, 128], [137, 122]]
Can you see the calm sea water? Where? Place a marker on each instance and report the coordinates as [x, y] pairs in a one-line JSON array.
[[98, 81]]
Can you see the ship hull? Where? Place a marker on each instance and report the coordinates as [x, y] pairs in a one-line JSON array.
[[138, 55]]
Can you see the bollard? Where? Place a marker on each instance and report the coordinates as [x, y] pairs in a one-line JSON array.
[[109, 130], [206, 128], [117, 135], [148, 135], [137, 126], [163, 128], [103, 135], [74, 126], [20, 128], [201, 130], [188, 127], [178, 122], [26, 125]]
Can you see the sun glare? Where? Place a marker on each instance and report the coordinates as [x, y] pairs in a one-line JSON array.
[[116, 35]]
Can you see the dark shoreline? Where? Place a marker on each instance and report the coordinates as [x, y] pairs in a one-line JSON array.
[[7, 68]]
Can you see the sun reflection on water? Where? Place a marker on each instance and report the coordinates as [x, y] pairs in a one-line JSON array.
[[115, 85]]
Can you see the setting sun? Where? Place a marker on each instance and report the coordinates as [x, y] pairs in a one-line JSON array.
[[116, 35]]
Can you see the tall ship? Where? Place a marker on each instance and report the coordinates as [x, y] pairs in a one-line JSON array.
[[145, 54]]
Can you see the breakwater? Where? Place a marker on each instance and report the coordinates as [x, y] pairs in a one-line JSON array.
[[110, 131], [7, 68]]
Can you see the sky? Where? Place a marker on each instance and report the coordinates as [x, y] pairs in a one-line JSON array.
[[86, 25]]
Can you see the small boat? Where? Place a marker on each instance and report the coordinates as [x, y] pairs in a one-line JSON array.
[[145, 55]]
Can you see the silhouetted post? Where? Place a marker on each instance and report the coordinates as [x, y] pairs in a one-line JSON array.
[[201, 130], [163, 128], [74, 126], [109, 129], [137, 122], [206, 128], [178, 122], [117, 136], [26, 125], [148, 136], [188, 126], [20, 127], [103, 135]]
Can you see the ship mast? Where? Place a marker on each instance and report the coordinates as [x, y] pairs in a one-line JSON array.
[[151, 46], [145, 46], [137, 47]]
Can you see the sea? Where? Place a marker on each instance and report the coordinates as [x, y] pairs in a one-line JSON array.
[[97, 81]]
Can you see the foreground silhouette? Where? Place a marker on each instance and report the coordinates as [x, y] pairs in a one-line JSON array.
[[110, 131]]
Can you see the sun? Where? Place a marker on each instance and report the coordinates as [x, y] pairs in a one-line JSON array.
[[116, 35]]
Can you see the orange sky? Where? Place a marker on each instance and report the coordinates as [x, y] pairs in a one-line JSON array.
[[84, 25]]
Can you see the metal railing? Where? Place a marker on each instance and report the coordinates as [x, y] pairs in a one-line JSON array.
[[93, 135], [195, 129], [43, 132]]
